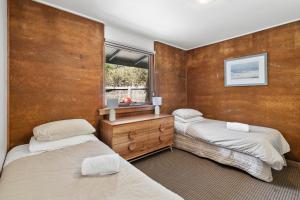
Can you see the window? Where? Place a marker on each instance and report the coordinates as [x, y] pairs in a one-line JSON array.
[[127, 74]]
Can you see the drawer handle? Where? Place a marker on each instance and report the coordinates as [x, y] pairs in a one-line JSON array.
[[161, 128], [131, 135], [132, 146], [162, 138]]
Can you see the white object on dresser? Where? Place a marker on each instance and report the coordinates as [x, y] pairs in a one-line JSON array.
[[157, 101], [112, 104]]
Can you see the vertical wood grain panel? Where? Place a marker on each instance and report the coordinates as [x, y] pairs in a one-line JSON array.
[[276, 105], [170, 76], [55, 67]]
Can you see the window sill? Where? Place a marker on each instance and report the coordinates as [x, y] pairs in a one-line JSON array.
[[128, 109]]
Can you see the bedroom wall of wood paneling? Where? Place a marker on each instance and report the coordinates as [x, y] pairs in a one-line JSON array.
[[276, 105], [55, 67], [55, 72], [170, 76]]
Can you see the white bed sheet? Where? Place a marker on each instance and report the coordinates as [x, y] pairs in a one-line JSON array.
[[37, 146], [264, 143], [18, 152], [23, 151], [181, 127]]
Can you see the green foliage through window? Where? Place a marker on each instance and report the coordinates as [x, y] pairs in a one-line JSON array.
[[125, 81], [124, 76]]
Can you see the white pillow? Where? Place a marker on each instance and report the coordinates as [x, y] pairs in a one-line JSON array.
[[194, 119], [38, 146], [62, 129], [187, 113]]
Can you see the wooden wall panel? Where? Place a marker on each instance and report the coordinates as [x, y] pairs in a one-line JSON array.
[[55, 67], [170, 76], [276, 105]]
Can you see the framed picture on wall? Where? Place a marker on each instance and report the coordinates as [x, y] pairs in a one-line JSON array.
[[246, 71]]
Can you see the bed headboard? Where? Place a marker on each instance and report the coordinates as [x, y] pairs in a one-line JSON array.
[[55, 68]]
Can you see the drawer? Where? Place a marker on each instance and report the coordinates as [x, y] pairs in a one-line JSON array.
[[166, 140], [129, 148], [162, 126], [156, 139], [130, 132], [161, 132]]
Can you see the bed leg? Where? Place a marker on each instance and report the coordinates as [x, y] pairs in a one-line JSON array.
[[171, 148]]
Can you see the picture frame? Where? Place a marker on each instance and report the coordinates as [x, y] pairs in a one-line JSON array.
[[246, 71]]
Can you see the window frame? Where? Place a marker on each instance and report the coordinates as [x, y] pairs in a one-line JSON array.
[[151, 69]]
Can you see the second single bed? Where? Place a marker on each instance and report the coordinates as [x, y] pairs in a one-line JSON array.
[[256, 151]]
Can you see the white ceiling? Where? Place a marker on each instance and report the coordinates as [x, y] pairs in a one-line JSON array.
[[186, 23]]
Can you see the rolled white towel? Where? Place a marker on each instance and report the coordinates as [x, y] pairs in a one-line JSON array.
[[238, 126], [101, 165]]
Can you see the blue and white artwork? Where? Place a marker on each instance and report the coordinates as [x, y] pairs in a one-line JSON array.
[[246, 71]]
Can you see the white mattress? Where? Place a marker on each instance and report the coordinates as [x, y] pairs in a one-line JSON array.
[[264, 143]]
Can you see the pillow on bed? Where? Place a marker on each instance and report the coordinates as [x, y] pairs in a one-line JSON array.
[[38, 146], [187, 113], [190, 120], [62, 129]]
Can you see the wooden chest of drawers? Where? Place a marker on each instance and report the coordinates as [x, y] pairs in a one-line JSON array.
[[132, 137]]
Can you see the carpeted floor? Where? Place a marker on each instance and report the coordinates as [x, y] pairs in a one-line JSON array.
[[195, 178]]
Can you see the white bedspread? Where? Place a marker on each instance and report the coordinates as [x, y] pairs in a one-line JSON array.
[[56, 175], [264, 143]]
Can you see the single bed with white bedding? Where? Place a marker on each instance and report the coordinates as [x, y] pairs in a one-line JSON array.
[[57, 175], [64, 160], [255, 152]]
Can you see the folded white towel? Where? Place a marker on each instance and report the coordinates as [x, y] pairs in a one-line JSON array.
[[101, 165], [238, 126]]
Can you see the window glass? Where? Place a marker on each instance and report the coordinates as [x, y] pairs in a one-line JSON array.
[[127, 76]]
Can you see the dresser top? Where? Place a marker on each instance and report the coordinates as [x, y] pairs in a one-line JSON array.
[[138, 118]]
